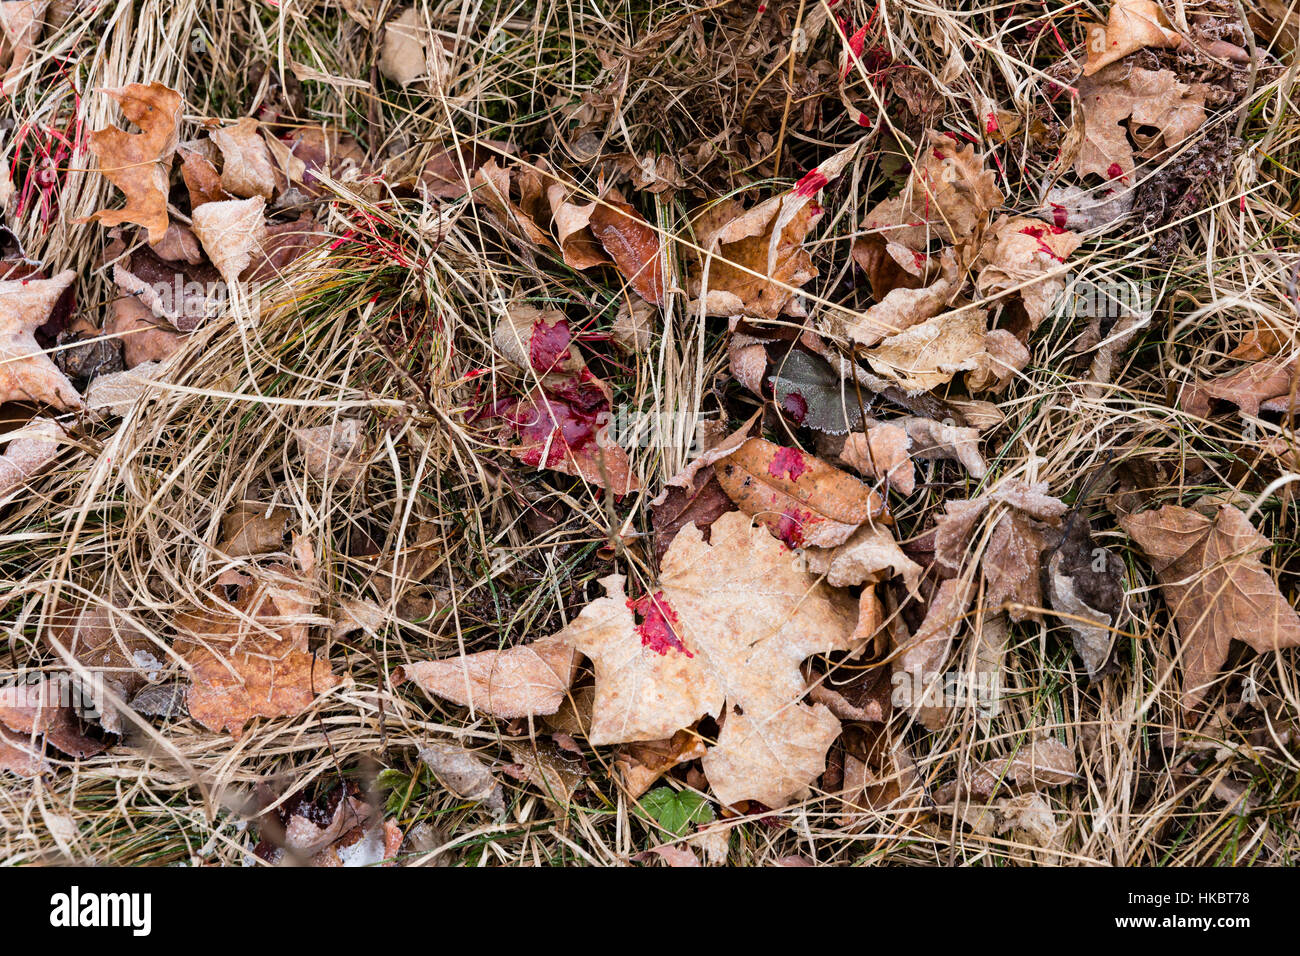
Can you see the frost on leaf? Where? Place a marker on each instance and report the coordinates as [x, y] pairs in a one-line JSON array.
[[1208, 562], [26, 372], [726, 630], [27, 451], [139, 163]]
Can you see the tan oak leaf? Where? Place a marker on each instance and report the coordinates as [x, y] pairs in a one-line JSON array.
[[26, 372], [139, 163]]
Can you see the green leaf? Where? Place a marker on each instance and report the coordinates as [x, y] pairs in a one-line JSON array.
[[675, 810]]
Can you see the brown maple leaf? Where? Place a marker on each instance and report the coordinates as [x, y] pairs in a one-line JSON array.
[[252, 658], [1027, 256], [1119, 101], [1209, 566], [26, 372], [1269, 385], [726, 631], [139, 163]]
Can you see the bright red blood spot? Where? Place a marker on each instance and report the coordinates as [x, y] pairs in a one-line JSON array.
[[791, 525], [568, 418], [1060, 216], [918, 259], [1114, 171], [549, 344], [1038, 232], [659, 624], [787, 463], [938, 153], [991, 126], [795, 407], [863, 119], [810, 183], [762, 8]]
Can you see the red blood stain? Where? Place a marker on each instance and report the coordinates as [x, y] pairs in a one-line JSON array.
[[864, 120], [991, 126], [1114, 171], [810, 184], [792, 524], [795, 407], [549, 344], [568, 418], [659, 624], [938, 153], [918, 259], [1038, 232], [1060, 216], [787, 463]]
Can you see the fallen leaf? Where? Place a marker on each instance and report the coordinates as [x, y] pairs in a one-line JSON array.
[[753, 260], [1027, 256], [202, 180], [558, 775], [246, 170], [251, 658], [921, 656], [463, 774], [1087, 583], [27, 451], [633, 245], [139, 163], [881, 452], [1215, 586], [673, 856], [253, 528], [640, 764], [231, 231], [1130, 26], [118, 392], [1268, 384], [933, 440], [869, 556], [411, 52], [143, 339], [45, 707], [336, 450], [928, 355], [20, 28], [809, 391], [26, 372], [899, 310], [1041, 763], [799, 498], [524, 681], [1120, 94], [1003, 356]]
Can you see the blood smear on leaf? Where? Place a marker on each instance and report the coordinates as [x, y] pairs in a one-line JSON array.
[[549, 344], [788, 462], [659, 624]]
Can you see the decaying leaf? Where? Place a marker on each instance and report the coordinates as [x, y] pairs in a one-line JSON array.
[[44, 707], [336, 450], [799, 498], [231, 232], [1268, 385], [870, 555], [641, 763], [881, 452], [523, 681], [252, 658], [1144, 100], [563, 423], [928, 355], [27, 451], [921, 656], [464, 774], [1087, 583], [753, 260], [1208, 560], [26, 372], [246, 169], [20, 28], [557, 774], [728, 627], [116, 393], [1130, 26], [1025, 255], [809, 390], [411, 52], [139, 163], [142, 336]]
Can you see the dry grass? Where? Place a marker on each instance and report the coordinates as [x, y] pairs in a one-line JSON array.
[[392, 325]]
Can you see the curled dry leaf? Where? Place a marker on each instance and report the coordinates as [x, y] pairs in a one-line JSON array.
[[143, 339], [463, 774], [928, 355], [800, 499], [920, 657], [881, 453], [1004, 355], [26, 372], [139, 163], [246, 162], [253, 528], [899, 310], [753, 260], [1208, 562], [27, 451], [1144, 99], [641, 763], [1025, 255], [869, 556], [411, 52], [933, 440], [1269, 385], [231, 232], [252, 658], [202, 180], [524, 681], [117, 392], [1091, 595], [43, 707], [336, 450], [1130, 26], [1040, 763]]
